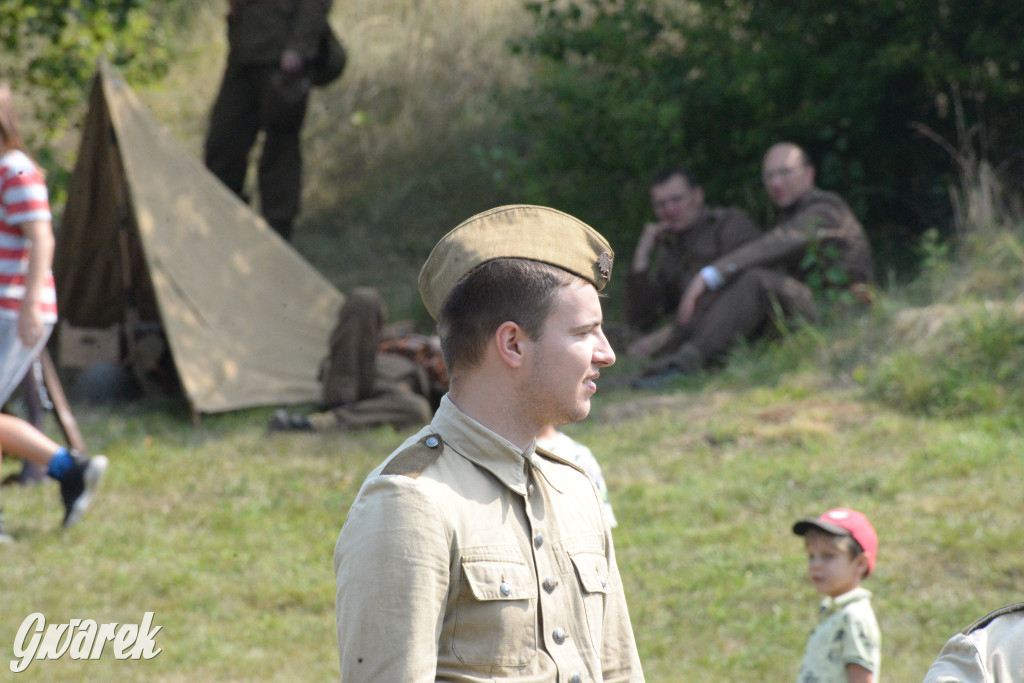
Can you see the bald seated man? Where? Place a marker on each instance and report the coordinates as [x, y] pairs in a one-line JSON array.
[[817, 237], [469, 554]]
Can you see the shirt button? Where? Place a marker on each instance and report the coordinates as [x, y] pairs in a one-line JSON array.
[[575, 677], [538, 540], [559, 635], [432, 442], [550, 584], [529, 490], [505, 588]]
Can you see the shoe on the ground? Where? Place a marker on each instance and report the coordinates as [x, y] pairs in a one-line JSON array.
[[4, 538], [657, 380], [79, 484], [283, 422]]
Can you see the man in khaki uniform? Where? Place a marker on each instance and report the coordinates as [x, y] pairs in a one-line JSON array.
[[991, 650], [468, 554], [686, 236], [265, 88], [817, 240]]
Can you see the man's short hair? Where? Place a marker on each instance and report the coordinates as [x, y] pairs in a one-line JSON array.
[[505, 289], [666, 173]]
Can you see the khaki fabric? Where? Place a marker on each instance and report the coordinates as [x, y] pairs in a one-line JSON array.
[[993, 653], [149, 234], [464, 559], [537, 233]]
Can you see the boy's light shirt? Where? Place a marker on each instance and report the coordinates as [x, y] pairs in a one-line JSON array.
[[847, 633], [563, 445]]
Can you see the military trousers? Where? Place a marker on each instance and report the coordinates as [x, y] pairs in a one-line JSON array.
[[254, 98], [362, 387], [755, 303]]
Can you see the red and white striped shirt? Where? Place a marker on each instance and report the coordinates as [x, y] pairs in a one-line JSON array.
[[23, 198]]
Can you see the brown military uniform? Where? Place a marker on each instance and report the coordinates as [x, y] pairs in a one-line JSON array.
[[367, 381], [768, 276], [655, 293], [678, 258], [256, 95]]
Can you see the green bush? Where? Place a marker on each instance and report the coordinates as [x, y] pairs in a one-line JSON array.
[[627, 86], [975, 366]]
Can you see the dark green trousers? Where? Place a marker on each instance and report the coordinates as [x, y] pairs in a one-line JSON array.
[[255, 98]]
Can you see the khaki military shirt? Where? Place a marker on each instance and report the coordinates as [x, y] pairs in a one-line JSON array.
[[678, 258], [991, 651], [465, 559], [820, 222]]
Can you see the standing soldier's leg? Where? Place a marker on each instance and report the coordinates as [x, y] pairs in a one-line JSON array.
[[280, 170], [234, 124]]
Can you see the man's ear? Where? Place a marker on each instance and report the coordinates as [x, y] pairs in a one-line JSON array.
[[508, 341]]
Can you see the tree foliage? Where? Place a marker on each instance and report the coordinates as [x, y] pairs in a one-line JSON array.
[[48, 53], [626, 87], [50, 49]]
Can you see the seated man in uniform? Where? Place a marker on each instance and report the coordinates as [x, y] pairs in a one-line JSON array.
[[816, 241], [686, 236], [373, 374]]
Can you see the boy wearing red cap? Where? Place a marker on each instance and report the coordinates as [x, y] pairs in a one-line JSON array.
[[845, 646]]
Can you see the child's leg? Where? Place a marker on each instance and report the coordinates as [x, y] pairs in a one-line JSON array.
[[21, 440]]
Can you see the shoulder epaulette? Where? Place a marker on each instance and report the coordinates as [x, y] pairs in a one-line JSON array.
[[991, 616], [417, 457]]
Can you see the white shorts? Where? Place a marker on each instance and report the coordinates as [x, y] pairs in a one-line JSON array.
[[15, 357]]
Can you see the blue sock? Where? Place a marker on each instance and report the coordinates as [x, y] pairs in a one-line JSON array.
[[60, 464]]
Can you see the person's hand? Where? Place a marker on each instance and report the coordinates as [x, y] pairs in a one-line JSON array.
[[649, 238], [291, 62], [688, 304], [647, 345], [30, 323]]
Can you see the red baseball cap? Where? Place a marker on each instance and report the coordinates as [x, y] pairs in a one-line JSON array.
[[845, 522]]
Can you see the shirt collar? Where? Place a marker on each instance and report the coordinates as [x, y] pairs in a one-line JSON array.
[[830, 604], [481, 446]]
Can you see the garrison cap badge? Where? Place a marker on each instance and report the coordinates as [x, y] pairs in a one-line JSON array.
[[522, 231]]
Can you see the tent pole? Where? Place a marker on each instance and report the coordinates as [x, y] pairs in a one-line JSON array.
[[61, 409]]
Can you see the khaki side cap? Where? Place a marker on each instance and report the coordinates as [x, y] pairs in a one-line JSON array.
[[537, 233]]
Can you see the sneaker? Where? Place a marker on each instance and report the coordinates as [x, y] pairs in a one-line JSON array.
[[283, 422], [79, 484], [4, 538]]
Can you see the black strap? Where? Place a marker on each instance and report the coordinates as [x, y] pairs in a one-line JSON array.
[[988, 618]]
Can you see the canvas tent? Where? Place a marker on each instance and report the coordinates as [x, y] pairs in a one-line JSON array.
[[150, 239]]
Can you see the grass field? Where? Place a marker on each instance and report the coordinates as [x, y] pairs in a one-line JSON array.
[[910, 412], [226, 532]]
